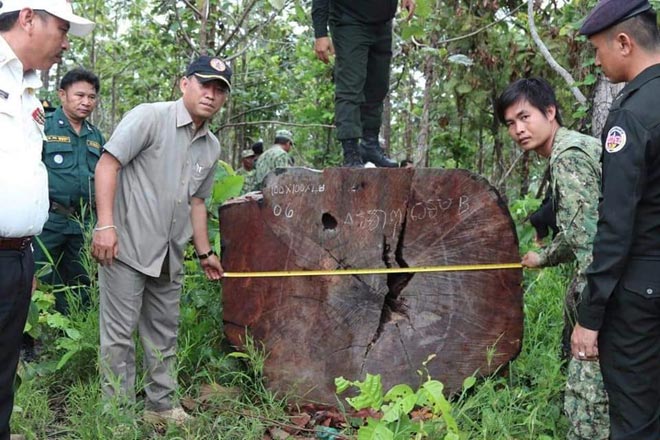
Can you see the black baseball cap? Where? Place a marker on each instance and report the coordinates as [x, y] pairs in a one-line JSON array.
[[206, 68]]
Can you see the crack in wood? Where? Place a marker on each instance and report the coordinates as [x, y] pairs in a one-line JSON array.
[[394, 307]]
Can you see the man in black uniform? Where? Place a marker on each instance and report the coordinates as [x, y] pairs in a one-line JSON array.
[[362, 38], [619, 317]]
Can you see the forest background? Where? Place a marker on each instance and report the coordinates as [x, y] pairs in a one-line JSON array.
[[450, 63]]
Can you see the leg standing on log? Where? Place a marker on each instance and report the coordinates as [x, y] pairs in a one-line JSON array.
[[362, 40]]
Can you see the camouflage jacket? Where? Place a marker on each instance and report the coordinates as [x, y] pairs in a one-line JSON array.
[[575, 179], [274, 157], [248, 179]]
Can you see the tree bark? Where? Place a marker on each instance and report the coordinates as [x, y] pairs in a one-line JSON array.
[[604, 94], [316, 328]]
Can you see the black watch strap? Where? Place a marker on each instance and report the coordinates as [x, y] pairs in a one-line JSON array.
[[206, 255]]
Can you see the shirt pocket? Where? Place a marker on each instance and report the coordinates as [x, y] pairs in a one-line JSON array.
[[643, 278], [59, 156], [200, 172], [93, 155]]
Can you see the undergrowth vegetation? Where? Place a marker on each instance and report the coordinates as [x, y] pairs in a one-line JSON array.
[[59, 395]]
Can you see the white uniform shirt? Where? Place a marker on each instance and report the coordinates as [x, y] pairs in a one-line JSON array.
[[23, 176]]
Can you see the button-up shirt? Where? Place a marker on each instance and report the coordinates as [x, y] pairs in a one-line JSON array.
[[70, 158], [23, 177], [164, 163]]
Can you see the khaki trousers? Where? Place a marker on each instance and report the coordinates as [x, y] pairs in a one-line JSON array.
[[131, 300]]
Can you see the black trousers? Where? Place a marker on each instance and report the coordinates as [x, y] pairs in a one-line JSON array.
[[16, 272], [629, 347], [363, 53]]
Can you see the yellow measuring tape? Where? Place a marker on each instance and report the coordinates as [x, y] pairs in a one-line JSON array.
[[312, 273]]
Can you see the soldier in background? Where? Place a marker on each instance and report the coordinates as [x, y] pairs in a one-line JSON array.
[[529, 109], [72, 149], [276, 156], [258, 148], [247, 170]]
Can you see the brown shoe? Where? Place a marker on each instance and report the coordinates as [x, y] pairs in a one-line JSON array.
[[175, 415]]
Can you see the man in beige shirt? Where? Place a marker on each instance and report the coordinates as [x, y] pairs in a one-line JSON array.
[[151, 182]]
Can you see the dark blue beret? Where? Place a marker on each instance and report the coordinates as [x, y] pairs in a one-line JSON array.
[[607, 13]]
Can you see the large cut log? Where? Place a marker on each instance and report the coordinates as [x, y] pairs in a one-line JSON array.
[[316, 328]]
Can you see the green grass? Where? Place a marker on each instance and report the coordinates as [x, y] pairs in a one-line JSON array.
[[523, 403]]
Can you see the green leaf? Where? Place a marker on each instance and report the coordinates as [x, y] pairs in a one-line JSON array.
[[433, 390], [413, 30], [371, 393], [469, 382], [401, 407], [341, 384], [73, 334], [590, 79], [375, 430], [226, 188], [398, 391], [239, 355], [64, 359], [277, 4], [58, 321], [225, 168], [463, 89]]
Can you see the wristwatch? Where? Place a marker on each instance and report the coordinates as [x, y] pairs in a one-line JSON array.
[[206, 255]]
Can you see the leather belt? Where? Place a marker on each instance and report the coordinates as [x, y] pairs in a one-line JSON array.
[[14, 244]]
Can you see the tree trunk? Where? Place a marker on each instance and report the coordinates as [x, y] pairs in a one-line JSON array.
[[316, 328], [604, 94], [421, 153]]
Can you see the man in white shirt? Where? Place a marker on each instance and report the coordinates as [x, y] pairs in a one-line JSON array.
[[33, 35]]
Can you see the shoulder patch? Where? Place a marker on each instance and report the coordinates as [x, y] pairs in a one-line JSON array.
[[616, 139]]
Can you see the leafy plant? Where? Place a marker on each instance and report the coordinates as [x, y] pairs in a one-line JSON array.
[[402, 412]]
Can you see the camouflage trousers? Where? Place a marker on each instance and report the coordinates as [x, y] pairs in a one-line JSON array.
[[585, 402], [585, 398]]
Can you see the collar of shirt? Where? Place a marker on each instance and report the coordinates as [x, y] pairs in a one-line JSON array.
[[59, 115], [647, 75], [29, 79], [183, 118]]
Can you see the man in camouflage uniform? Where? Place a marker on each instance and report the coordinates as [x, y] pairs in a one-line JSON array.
[[276, 156], [529, 109], [247, 170], [72, 149]]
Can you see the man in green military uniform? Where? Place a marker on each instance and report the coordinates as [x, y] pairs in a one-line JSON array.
[[72, 149], [529, 109], [276, 156], [362, 39], [247, 170]]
